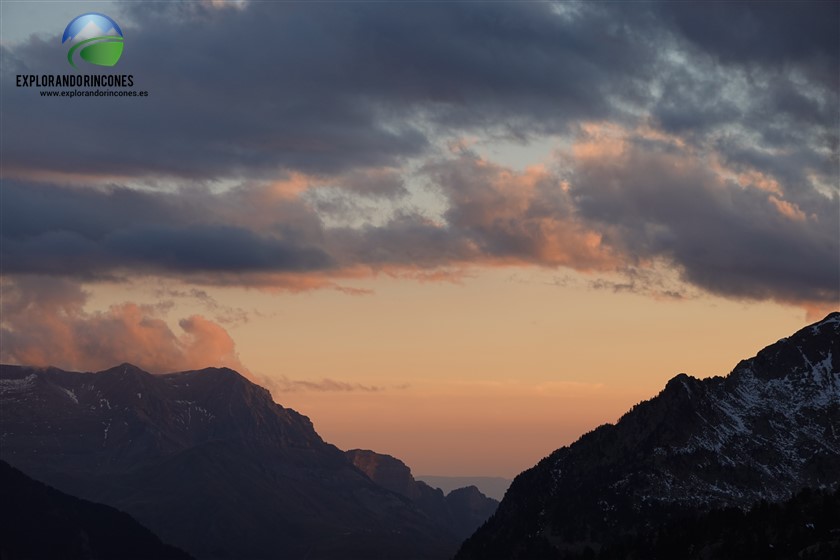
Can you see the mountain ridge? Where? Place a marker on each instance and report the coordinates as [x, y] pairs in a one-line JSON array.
[[491, 486], [462, 510], [207, 460], [768, 429]]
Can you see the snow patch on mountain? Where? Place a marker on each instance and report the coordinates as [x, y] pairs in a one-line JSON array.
[[15, 386]]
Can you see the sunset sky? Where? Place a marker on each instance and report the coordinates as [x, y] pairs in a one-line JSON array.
[[459, 233]]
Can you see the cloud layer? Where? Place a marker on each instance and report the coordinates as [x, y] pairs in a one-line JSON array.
[[288, 146], [45, 323]]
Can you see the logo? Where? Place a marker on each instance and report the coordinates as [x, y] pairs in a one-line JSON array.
[[94, 38]]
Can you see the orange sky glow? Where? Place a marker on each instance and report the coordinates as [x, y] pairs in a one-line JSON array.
[[484, 376]]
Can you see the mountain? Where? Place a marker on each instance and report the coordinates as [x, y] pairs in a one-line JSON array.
[[37, 521], [492, 486], [461, 511], [767, 430], [207, 461], [469, 509], [807, 526]]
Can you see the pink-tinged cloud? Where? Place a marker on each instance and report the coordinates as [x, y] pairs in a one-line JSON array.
[[515, 217], [726, 230], [618, 198], [711, 121], [44, 322], [282, 384]]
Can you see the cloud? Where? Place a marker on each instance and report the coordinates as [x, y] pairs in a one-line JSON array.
[[44, 322], [224, 314], [495, 217], [701, 140], [317, 88], [655, 279], [373, 183], [525, 216], [746, 33], [657, 200], [617, 200], [95, 233], [283, 384], [320, 88]]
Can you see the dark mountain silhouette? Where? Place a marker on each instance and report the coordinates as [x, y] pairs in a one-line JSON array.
[[491, 486], [767, 430], [461, 511], [37, 521], [806, 527], [469, 509], [208, 461]]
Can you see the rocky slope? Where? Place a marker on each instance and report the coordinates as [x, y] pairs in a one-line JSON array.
[[461, 511], [765, 431], [208, 461]]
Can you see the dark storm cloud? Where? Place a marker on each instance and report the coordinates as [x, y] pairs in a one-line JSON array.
[[748, 109], [31, 209], [328, 87], [319, 87], [53, 230], [325, 87], [373, 183], [406, 241], [212, 248], [184, 250], [791, 167], [358, 96], [728, 239], [777, 35]]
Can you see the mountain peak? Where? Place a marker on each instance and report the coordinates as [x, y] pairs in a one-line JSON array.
[[830, 323], [212, 374], [387, 471], [223, 384], [222, 470], [767, 430], [221, 372], [125, 369], [470, 492], [462, 511], [834, 316], [681, 381], [799, 357]]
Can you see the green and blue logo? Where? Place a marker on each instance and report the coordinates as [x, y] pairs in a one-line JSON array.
[[95, 38]]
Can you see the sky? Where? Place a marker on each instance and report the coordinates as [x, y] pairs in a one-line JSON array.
[[463, 234]]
